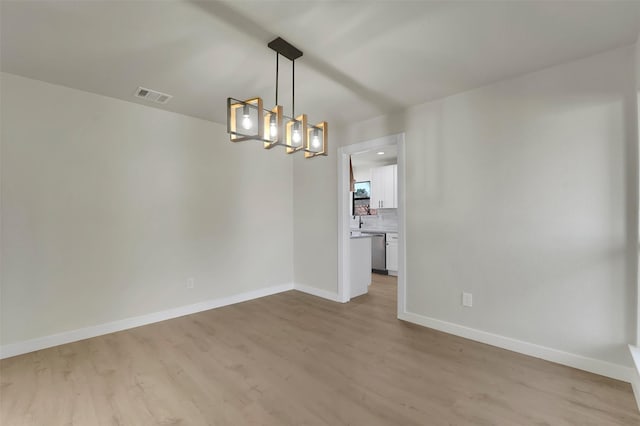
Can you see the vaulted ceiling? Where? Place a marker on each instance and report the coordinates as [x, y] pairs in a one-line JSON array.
[[361, 59]]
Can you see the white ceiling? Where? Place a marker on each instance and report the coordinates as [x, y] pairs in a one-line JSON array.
[[361, 59], [371, 158]]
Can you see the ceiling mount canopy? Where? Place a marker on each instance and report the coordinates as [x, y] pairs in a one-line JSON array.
[[285, 48], [248, 120]]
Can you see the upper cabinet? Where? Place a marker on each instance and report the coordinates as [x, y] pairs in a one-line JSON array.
[[384, 187]]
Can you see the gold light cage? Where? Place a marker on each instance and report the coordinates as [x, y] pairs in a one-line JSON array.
[[248, 120]]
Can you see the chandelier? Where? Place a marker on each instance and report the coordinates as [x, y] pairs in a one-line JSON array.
[[248, 120]]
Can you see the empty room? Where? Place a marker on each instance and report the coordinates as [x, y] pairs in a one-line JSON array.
[[319, 212]]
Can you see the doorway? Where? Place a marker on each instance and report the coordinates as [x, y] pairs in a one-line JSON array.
[[347, 206]]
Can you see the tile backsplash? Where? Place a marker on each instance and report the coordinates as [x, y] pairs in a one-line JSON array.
[[386, 219]]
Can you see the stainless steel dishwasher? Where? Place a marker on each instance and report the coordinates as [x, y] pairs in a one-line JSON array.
[[378, 253]]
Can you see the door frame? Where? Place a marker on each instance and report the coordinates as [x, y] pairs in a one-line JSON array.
[[344, 255]]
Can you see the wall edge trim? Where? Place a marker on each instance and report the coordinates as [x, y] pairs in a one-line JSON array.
[[31, 345], [334, 297], [603, 368]]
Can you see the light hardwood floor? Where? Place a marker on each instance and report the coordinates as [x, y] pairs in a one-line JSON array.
[[295, 359]]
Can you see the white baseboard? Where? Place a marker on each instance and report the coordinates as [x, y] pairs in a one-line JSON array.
[[635, 374], [619, 372], [603, 368], [317, 292], [26, 346]]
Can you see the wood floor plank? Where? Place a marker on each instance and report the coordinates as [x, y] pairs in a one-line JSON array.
[[295, 359]]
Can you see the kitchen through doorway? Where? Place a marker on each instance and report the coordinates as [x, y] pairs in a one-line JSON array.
[[371, 222]]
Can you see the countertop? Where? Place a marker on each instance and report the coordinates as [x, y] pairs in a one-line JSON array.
[[383, 230], [353, 237]]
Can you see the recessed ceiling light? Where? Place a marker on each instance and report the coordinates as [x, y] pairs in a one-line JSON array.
[[380, 152]]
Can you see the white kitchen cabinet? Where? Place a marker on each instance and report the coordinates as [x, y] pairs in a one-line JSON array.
[[392, 253], [360, 270], [377, 188], [384, 187]]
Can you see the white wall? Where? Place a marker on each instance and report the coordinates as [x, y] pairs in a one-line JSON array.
[[315, 220], [525, 194], [108, 207]]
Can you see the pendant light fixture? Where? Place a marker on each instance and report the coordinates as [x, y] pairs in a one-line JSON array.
[[248, 120]]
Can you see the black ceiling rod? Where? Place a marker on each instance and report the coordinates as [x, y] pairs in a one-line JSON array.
[[277, 66], [289, 51]]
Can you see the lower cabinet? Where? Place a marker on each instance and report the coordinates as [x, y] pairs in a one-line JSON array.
[[392, 253], [360, 265]]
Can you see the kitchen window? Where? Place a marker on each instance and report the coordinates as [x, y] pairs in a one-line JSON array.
[[361, 199]]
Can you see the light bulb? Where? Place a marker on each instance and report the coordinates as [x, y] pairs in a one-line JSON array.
[[246, 122], [273, 128], [295, 137], [315, 141]]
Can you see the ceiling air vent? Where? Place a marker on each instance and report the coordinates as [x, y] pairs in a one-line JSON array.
[[152, 95]]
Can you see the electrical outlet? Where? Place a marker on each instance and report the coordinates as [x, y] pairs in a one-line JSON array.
[[467, 299], [190, 283]]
